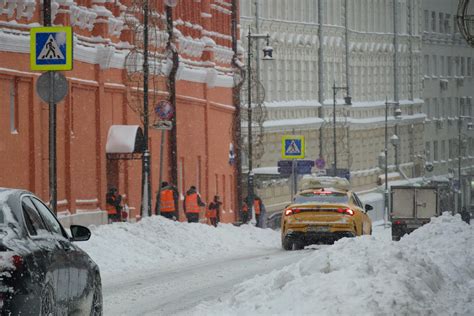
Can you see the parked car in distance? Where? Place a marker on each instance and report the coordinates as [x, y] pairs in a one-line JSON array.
[[412, 207], [324, 211], [42, 271], [274, 220]]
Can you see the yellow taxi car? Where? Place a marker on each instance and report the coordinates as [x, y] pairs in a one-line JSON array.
[[324, 211]]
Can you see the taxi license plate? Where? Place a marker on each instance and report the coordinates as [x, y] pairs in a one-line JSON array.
[[318, 229]]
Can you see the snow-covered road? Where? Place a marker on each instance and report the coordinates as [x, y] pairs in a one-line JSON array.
[[160, 267], [181, 287]]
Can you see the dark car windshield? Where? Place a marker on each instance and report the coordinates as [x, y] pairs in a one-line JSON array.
[[322, 197]]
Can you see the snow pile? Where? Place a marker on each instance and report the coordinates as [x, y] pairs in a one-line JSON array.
[[158, 242], [429, 272]]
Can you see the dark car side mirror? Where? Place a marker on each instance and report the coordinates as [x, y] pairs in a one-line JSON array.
[[368, 207], [80, 233]]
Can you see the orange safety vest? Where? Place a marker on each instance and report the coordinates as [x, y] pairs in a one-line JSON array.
[[256, 205], [211, 213], [167, 201], [192, 205], [111, 210]]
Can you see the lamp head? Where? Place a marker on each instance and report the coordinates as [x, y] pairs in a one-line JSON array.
[[348, 100], [395, 140], [470, 126], [398, 113], [268, 53]]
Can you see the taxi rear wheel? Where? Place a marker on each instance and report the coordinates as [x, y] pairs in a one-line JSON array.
[[290, 244], [287, 244]]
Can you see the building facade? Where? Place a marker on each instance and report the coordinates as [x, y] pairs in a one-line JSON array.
[[448, 67], [372, 48], [102, 93]]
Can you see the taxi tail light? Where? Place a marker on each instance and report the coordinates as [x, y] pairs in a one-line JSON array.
[[17, 261], [399, 223], [292, 211], [346, 211]]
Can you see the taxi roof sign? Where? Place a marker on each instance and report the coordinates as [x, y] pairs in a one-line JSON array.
[[292, 147], [312, 182], [51, 48]]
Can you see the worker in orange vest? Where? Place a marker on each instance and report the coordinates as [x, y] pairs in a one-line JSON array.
[[167, 201], [259, 210], [213, 213], [113, 205], [191, 205], [245, 212]]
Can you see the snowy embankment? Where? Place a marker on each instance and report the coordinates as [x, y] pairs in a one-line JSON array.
[[156, 242], [429, 272]]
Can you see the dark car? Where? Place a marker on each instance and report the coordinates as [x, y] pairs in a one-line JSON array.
[[42, 272]]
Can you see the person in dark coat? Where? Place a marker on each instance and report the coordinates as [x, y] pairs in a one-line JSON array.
[[113, 205], [245, 212], [167, 201], [214, 211], [465, 216], [191, 205]]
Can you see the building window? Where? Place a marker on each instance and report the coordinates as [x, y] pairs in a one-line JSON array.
[[441, 22], [13, 107], [447, 21], [463, 69], [427, 20], [442, 108], [443, 149], [427, 64], [436, 107], [428, 151], [450, 66], [469, 67], [442, 68], [435, 150], [451, 149], [181, 184], [462, 106], [433, 21], [198, 173], [428, 107]]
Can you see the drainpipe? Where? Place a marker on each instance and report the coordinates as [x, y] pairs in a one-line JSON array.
[[320, 73], [395, 55], [173, 151], [348, 66], [239, 68]]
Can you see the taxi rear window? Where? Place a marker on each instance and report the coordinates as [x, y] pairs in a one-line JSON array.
[[322, 197]]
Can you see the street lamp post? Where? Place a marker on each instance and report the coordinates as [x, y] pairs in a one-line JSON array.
[[347, 100], [267, 55], [397, 114], [469, 127], [146, 190], [395, 141]]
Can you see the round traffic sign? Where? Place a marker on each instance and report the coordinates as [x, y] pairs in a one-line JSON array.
[[320, 163], [164, 110], [59, 83]]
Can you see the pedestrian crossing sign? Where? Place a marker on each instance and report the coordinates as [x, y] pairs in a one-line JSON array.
[[292, 147], [51, 48]]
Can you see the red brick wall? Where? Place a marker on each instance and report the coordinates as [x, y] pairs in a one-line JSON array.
[[97, 99]]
